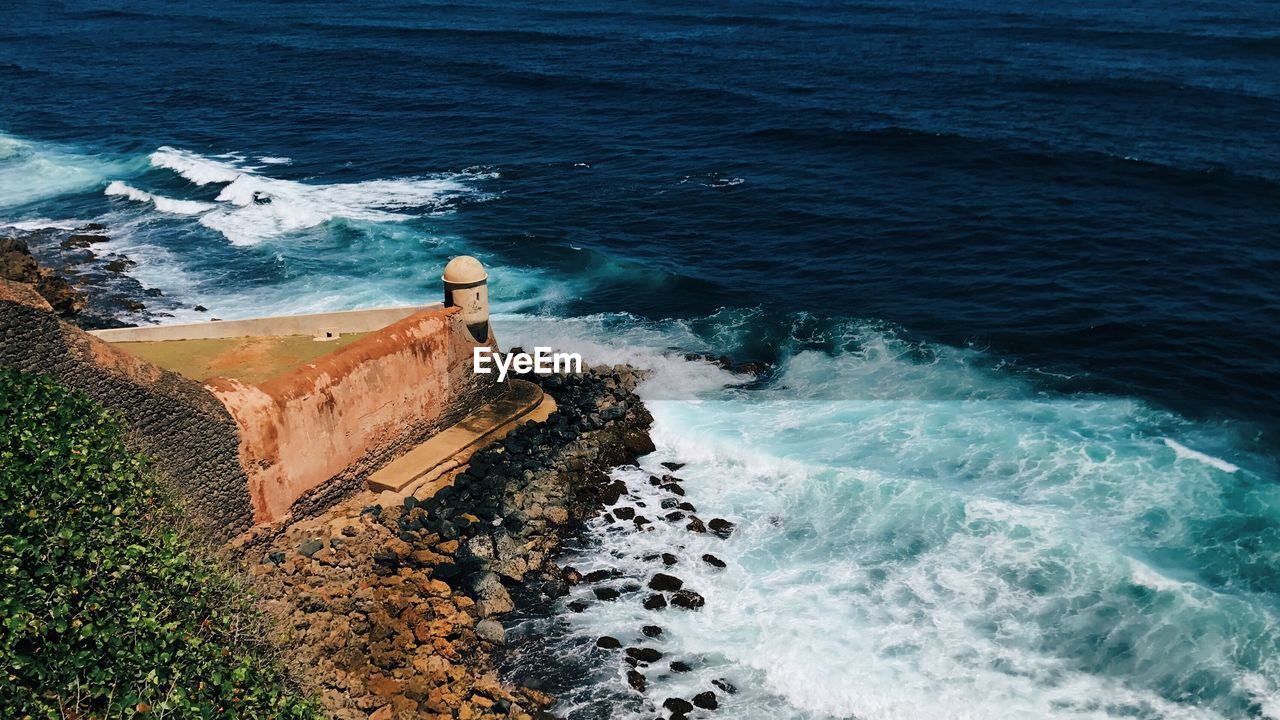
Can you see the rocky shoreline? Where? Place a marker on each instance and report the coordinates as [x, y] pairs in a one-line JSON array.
[[84, 285], [391, 611]]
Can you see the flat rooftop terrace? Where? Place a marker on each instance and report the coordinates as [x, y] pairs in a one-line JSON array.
[[253, 350], [252, 360]]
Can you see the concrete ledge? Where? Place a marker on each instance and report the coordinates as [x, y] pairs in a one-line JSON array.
[[349, 321], [451, 447]]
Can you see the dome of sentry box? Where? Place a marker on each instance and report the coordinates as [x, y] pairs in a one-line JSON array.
[[464, 270]]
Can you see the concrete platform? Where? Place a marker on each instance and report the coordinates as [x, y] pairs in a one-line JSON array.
[[420, 470]]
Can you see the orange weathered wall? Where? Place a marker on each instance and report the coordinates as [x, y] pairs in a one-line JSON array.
[[352, 410]]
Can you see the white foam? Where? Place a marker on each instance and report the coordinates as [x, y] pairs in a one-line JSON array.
[[199, 170], [161, 203], [46, 224], [253, 207], [1185, 453], [917, 538], [275, 160]]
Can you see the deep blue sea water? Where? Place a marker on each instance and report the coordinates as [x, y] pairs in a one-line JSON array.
[[1017, 266]]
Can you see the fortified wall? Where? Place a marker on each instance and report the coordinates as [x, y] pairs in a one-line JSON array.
[[246, 450]]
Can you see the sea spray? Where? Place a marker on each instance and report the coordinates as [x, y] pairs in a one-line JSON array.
[[923, 537]]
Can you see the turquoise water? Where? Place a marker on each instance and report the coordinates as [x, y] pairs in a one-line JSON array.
[[921, 536]]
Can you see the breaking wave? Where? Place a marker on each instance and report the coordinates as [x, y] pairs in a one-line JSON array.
[[919, 537]]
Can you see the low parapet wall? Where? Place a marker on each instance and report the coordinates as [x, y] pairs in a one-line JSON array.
[[347, 321], [313, 433]]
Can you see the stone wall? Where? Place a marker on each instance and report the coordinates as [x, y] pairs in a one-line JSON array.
[[177, 422], [313, 435]]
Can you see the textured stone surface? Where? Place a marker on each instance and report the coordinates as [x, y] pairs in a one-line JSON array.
[[180, 425]]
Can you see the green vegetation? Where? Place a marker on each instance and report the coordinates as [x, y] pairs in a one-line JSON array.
[[105, 610]]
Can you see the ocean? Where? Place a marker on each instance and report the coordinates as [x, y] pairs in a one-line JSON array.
[[1015, 269]]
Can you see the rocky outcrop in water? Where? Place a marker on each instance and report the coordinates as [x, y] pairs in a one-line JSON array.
[[83, 283]]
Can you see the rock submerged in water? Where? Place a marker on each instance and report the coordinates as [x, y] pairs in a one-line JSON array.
[[607, 594], [652, 631], [725, 685], [680, 666]]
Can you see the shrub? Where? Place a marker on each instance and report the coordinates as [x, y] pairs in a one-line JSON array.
[[105, 608]]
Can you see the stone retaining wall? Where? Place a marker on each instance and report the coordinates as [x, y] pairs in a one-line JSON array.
[[175, 421]]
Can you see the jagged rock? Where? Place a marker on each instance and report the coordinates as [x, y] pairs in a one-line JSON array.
[[624, 513], [713, 561], [607, 594], [652, 631], [672, 466], [608, 643], [596, 576], [706, 700], [695, 525], [663, 582], [678, 706], [655, 601], [680, 666], [493, 598], [636, 680], [721, 527], [687, 599], [668, 559], [644, 654]]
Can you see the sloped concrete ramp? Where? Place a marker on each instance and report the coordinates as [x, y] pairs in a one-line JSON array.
[[414, 471]]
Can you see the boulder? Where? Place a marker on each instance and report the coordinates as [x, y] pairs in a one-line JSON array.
[[644, 654], [687, 599], [655, 601], [678, 706], [663, 582], [706, 700]]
